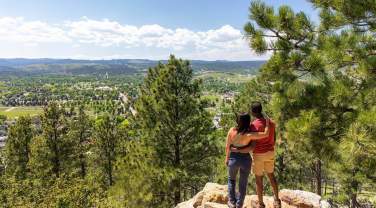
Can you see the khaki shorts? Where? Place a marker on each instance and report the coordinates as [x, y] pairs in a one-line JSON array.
[[263, 162]]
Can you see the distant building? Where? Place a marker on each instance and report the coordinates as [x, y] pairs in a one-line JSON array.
[[2, 141], [228, 97], [216, 121], [124, 99], [104, 88], [133, 111]]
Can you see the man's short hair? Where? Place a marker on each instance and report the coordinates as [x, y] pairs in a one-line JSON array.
[[256, 107]]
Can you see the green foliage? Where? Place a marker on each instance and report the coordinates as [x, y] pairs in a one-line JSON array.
[[136, 178], [64, 192], [107, 140], [357, 166], [2, 119], [17, 149], [173, 121], [80, 134], [322, 78], [53, 147]]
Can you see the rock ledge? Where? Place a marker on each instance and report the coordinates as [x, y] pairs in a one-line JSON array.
[[215, 196]]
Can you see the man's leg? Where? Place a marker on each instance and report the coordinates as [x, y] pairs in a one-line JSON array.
[[259, 189], [274, 184], [258, 171], [269, 169]]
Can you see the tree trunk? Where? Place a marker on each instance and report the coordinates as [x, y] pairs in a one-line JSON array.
[[82, 165], [300, 178], [56, 152], [176, 183], [82, 157], [354, 188], [110, 172], [354, 201], [318, 177], [177, 194]]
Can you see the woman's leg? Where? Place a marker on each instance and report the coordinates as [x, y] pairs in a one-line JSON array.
[[245, 169], [232, 171]]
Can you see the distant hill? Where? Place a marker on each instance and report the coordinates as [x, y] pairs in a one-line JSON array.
[[30, 67]]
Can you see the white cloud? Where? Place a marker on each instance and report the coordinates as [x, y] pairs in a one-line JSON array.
[[19, 30], [103, 32], [153, 31], [223, 34], [225, 42]]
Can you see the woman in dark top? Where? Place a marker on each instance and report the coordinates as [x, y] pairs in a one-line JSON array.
[[240, 161]]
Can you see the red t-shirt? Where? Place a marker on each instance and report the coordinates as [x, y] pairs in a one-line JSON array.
[[266, 144]]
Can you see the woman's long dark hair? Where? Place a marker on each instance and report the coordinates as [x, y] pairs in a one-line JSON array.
[[243, 121]]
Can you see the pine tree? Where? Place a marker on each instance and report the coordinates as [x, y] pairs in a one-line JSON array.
[[357, 166], [320, 73], [135, 176], [52, 152], [108, 136], [80, 134], [17, 149], [173, 120]]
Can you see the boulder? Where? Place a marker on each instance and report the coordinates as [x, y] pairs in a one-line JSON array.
[[186, 204], [251, 201], [214, 205], [212, 192], [301, 199], [215, 196]]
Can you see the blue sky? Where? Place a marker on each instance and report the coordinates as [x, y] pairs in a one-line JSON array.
[[105, 29]]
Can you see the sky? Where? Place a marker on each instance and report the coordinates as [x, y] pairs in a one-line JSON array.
[[112, 29]]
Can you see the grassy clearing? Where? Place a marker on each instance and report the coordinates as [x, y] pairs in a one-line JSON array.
[[15, 112], [213, 97], [230, 77]]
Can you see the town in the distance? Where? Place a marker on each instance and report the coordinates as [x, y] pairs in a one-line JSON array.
[[26, 85]]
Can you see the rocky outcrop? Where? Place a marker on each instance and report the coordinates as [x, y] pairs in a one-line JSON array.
[[215, 196]]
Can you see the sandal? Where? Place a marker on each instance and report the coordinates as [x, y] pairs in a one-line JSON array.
[[261, 205], [277, 203]]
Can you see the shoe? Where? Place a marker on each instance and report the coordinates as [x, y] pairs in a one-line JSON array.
[[261, 205], [277, 203]]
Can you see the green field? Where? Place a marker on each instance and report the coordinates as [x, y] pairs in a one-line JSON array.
[[226, 76], [14, 112]]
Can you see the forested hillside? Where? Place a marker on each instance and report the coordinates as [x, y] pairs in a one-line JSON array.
[[155, 139], [35, 67]]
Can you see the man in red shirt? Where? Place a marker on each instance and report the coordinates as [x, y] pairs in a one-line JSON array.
[[263, 155]]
